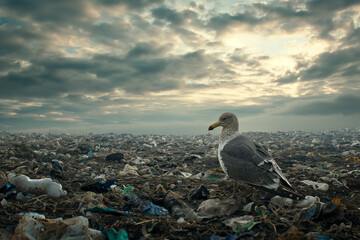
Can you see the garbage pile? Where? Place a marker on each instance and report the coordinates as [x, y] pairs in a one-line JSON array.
[[123, 186]]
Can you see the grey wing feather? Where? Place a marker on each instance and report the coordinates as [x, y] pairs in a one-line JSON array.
[[261, 150], [268, 158], [243, 162]]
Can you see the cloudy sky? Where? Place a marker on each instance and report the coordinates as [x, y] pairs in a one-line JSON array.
[[172, 67]]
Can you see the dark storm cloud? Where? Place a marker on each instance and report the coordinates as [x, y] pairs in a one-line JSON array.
[[330, 5], [287, 16], [144, 68], [132, 4], [180, 23], [352, 39], [342, 62], [65, 11], [221, 21], [14, 40], [167, 14], [143, 49], [240, 111], [344, 104], [50, 77]]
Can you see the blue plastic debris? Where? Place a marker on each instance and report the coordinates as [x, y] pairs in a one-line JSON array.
[[319, 236], [146, 207], [56, 168], [8, 190], [90, 154], [156, 210]]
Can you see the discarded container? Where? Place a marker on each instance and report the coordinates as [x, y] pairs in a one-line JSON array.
[[279, 201], [36, 186], [239, 223], [178, 208], [215, 207], [307, 202], [316, 185]]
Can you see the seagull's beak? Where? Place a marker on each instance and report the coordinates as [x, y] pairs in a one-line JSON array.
[[214, 125]]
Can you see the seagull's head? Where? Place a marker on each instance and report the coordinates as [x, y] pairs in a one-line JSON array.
[[226, 120]]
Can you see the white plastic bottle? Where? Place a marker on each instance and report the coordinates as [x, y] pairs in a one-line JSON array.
[[36, 186]]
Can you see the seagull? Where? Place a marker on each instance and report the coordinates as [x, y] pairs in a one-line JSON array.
[[245, 160]]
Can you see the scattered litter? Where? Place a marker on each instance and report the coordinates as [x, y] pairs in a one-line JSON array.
[[123, 186]]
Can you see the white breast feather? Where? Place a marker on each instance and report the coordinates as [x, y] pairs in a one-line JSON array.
[[221, 147]]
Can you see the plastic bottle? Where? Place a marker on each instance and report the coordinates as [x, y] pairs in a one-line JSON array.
[[36, 186]]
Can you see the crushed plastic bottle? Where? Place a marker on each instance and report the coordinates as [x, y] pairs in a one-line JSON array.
[[215, 207], [317, 185], [243, 222], [279, 201], [146, 206], [36, 186], [178, 208], [307, 202]]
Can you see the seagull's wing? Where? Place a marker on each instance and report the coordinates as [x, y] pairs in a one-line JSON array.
[[244, 162], [270, 160], [251, 163]]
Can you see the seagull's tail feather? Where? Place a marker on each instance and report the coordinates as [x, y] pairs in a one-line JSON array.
[[283, 191]]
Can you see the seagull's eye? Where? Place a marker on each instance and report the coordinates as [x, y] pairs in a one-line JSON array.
[[224, 118]]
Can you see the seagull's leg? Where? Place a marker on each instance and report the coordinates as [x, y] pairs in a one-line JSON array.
[[235, 188]]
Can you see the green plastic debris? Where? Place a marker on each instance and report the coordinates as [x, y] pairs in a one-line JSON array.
[[260, 211], [113, 235], [152, 227], [213, 178], [248, 226], [127, 191]]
